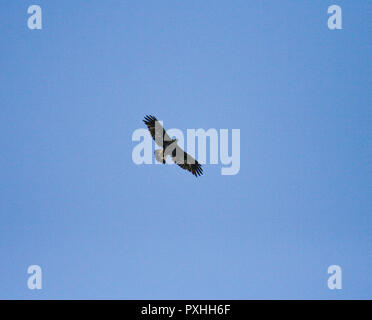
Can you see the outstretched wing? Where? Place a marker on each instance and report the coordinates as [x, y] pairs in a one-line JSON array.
[[187, 162], [157, 131]]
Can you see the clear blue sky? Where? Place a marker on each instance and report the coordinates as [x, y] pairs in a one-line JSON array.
[[73, 202]]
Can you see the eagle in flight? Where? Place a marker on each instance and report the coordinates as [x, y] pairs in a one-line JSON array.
[[169, 147]]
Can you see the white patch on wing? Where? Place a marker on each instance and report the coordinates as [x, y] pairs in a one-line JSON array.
[[159, 155]]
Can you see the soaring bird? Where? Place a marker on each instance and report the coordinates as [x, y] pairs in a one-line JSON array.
[[169, 147]]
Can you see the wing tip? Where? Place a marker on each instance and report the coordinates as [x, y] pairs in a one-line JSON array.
[[149, 117], [198, 171]]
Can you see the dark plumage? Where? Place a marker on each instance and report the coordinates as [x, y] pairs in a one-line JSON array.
[[169, 147]]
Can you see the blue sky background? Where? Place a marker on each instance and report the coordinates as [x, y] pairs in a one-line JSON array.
[[73, 202]]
